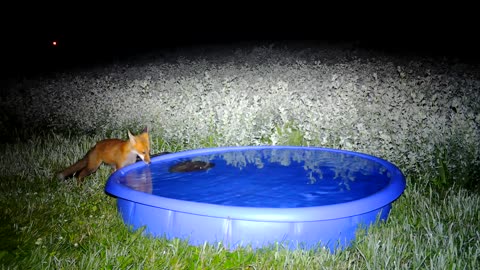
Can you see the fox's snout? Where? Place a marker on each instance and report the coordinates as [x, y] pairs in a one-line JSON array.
[[146, 159]]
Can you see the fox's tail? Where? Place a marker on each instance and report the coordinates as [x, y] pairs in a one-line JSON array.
[[77, 166]]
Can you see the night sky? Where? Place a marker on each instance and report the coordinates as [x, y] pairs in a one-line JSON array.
[[88, 36]]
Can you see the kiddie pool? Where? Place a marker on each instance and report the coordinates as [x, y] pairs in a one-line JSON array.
[[299, 197]]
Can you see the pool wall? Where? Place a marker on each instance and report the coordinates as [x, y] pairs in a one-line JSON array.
[[233, 233]]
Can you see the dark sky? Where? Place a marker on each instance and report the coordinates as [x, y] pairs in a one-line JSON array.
[[88, 33]]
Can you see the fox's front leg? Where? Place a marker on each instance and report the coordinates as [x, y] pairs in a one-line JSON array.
[[113, 167]]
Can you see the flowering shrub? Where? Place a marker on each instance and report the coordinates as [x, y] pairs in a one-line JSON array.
[[421, 115]]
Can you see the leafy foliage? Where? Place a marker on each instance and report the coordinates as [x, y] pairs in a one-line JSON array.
[[401, 111]]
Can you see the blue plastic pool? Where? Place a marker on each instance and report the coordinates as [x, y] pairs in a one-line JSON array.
[[299, 197]]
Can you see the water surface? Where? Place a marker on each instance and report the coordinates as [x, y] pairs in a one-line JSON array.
[[278, 178]]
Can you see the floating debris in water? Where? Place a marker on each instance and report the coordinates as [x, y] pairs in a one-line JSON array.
[[190, 166]]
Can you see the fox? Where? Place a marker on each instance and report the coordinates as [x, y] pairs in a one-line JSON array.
[[114, 152]]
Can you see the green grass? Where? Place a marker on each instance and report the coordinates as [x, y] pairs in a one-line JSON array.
[[47, 224]]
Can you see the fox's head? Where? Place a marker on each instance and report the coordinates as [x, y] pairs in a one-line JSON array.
[[141, 145]]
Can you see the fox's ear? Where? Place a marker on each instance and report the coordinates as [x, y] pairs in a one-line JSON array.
[[131, 137], [145, 130]]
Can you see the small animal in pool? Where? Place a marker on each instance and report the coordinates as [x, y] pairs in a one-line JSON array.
[[191, 166]]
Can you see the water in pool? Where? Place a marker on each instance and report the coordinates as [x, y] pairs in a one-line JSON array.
[[276, 178]]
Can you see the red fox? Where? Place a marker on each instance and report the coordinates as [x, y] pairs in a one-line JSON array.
[[114, 152]]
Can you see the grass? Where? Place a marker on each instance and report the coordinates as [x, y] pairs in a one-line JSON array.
[[47, 224]]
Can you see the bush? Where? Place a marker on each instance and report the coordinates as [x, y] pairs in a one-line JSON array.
[[423, 116]]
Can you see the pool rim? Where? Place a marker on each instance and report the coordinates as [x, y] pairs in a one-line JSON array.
[[372, 202]]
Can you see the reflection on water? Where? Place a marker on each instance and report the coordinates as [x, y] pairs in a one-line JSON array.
[[140, 180], [264, 178]]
